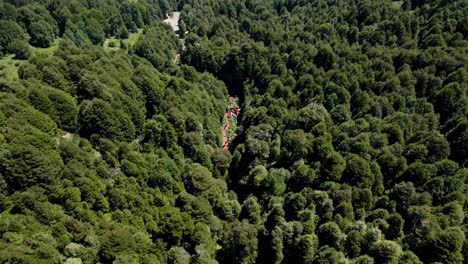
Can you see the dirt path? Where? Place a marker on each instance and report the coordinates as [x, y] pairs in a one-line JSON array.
[[173, 20], [176, 58]]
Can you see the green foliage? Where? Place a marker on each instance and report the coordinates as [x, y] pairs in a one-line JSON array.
[[333, 167], [358, 172], [201, 178], [328, 255], [239, 243], [350, 146], [307, 246], [330, 234], [12, 39], [458, 138], [98, 117], [42, 34], [117, 242], [386, 252], [325, 57], [150, 44], [178, 255]]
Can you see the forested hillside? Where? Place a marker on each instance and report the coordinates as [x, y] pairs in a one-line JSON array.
[[351, 145]]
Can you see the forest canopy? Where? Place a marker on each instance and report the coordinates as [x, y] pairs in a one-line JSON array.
[[351, 146]]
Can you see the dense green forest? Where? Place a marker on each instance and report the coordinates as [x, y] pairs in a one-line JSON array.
[[352, 142]]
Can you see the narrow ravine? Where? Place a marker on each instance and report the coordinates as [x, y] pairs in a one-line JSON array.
[[229, 126]]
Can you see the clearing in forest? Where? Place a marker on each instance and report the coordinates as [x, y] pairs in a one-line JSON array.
[[115, 43]]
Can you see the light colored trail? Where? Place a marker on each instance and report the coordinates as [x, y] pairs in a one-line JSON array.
[[176, 58], [173, 21]]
